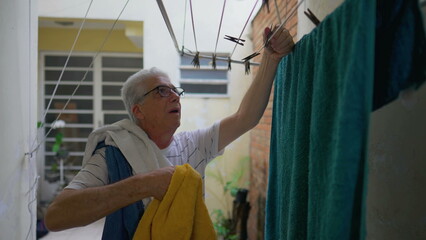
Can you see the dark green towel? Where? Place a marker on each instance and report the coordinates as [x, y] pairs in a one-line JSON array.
[[400, 53], [323, 95]]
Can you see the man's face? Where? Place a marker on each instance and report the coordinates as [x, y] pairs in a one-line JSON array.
[[160, 113]]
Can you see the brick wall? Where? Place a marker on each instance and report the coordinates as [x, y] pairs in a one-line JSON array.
[[260, 135]]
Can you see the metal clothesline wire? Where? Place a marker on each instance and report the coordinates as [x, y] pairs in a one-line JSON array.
[[66, 61], [287, 17], [189, 53], [229, 59], [184, 24], [60, 78], [245, 25], [277, 11], [223, 59], [83, 78], [220, 26], [193, 25], [293, 11]]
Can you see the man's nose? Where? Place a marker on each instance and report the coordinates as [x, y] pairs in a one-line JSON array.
[[174, 97]]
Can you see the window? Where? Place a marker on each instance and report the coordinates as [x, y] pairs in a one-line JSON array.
[[204, 81], [96, 102]]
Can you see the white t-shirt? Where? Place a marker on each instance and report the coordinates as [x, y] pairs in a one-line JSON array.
[[197, 148]]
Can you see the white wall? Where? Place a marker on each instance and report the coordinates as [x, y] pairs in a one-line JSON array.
[[397, 161], [18, 47], [319, 8]]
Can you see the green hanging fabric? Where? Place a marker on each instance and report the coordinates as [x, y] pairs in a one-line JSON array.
[[322, 102]]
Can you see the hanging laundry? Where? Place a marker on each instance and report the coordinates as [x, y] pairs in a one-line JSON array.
[[322, 101], [400, 49]]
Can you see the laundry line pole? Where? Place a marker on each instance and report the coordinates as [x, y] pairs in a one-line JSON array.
[[223, 59]]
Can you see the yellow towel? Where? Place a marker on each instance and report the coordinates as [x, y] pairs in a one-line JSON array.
[[181, 214]]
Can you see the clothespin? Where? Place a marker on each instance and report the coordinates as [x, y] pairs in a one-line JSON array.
[[312, 17], [268, 36], [229, 63], [266, 2], [196, 60], [246, 59], [235, 40], [247, 62], [247, 67], [214, 61], [182, 51]]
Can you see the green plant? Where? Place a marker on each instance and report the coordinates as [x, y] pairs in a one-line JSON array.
[[223, 225], [58, 142]]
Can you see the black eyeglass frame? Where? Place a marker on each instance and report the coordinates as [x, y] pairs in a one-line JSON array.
[[178, 90]]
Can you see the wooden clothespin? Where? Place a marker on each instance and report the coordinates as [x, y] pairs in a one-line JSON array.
[[250, 56], [182, 51], [196, 60], [268, 36], [235, 40], [247, 67], [312, 17], [247, 61], [214, 61]]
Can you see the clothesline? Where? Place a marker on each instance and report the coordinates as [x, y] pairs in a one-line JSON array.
[[181, 51], [229, 59]]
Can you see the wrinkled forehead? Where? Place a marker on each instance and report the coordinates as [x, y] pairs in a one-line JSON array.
[[155, 81]]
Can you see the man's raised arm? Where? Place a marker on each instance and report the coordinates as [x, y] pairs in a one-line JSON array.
[[256, 98]]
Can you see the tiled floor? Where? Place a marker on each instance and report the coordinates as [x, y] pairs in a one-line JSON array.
[[89, 232]]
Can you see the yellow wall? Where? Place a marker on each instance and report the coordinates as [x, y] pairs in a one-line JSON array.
[[90, 40]]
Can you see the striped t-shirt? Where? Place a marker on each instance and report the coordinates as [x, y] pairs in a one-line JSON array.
[[197, 148]]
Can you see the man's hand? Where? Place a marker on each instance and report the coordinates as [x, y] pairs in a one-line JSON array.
[[159, 180], [76, 208], [280, 44]]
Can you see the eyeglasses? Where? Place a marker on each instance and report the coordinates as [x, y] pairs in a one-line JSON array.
[[165, 91]]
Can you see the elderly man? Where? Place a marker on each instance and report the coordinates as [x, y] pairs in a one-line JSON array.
[[154, 106]]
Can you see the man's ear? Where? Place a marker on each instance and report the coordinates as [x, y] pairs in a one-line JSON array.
[[137, 111]]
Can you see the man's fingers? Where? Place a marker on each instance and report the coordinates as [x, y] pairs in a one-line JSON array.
[[280, 46]]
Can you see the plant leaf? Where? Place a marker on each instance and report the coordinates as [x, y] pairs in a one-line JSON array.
[[55, 147]]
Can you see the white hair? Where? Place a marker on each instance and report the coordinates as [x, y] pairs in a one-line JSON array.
[[134, 88]]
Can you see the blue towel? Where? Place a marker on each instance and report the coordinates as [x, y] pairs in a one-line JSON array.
[[322, 100], [122, 223]]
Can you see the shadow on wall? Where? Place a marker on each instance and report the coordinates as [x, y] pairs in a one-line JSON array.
[[397, 159]]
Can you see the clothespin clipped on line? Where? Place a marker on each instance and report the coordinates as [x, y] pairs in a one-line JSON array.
[[214, 61], [247, 67], [235, 40], [266, 2], [247, 61], [268, 36], [196, 60], [182, 51], [312, 17], [229, 64]]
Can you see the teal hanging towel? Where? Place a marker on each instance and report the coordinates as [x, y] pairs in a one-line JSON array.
[[323, 98]]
